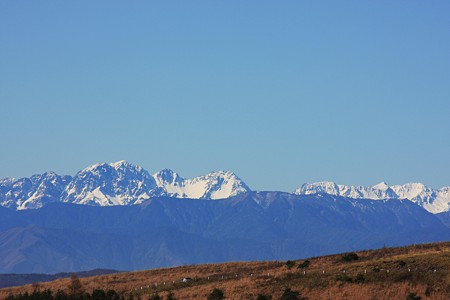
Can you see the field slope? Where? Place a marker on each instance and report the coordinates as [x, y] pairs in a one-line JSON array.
[[388, 273]]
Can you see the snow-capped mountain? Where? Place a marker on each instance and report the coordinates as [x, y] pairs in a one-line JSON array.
[[122, 183], [215, 185], [33, 192], [119, 183], [435, 201]]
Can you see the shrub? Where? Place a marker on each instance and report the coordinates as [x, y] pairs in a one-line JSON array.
[[304, 264], [401, 263], [351, 256], [289, 264], [112, 295], [289, 294], [60, 295], [413, 296], [343, 278], [98, 295], [360, 278], [171, 296], [155, 297], [428, 291], [216, 294], [76, 289]]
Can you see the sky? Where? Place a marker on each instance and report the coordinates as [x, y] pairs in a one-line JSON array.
[[280, 92]]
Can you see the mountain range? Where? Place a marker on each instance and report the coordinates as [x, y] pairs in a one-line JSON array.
[[167, 231], [122, 183], [435, 201], [119, 183]]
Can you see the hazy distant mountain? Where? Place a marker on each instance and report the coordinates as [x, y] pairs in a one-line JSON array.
[[119, 183], [7, 280], [170, 231], [435, 201]]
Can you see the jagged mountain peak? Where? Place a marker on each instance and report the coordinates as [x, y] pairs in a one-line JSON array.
[[7, 181], [117, 169], [117, 183], [434, 201], [214, 185], [381, 186], [167, 176], [124, 165], [327, 187]]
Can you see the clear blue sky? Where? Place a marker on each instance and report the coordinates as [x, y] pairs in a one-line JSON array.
[[280, 92]]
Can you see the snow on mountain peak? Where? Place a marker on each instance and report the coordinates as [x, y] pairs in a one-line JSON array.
[[167, 177], [326, 187], [214, 185], [123, 164], [381, 186], [434, 201], [118, 183]]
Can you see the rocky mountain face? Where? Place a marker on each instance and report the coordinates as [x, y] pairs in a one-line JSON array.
[[216, 185], [435, 201], [119, 183], [33, 192], [168, 231], [122, 183]]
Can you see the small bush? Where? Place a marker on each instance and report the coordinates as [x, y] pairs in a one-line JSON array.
[[401, 263], [216, 294], [304, 264], [171, 296], [155, 297], [98, 294], [343, 278], [263, 297], [413, 296], [351, 256], [428, 291], [289, 294], [360, 278], [289, 264], [112, 295]]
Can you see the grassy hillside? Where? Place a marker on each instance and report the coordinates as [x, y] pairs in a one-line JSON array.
[[388, 273]]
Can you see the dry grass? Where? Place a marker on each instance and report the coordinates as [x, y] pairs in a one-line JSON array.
[[378, 274]]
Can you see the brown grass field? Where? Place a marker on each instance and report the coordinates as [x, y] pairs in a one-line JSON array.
[[388, 273]]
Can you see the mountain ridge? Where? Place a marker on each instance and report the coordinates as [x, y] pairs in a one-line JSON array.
[[123, 183], [434, 201], [119, 183], [169, 231]]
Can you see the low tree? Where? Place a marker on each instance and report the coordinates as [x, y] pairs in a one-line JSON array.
[[413, 296], [289, 264], [216, 294], [98, 294], [112, 295], [351, 256], [155, 297], [170, 296], [289, 294], [61, 295], [304, 264], [75, 287]]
